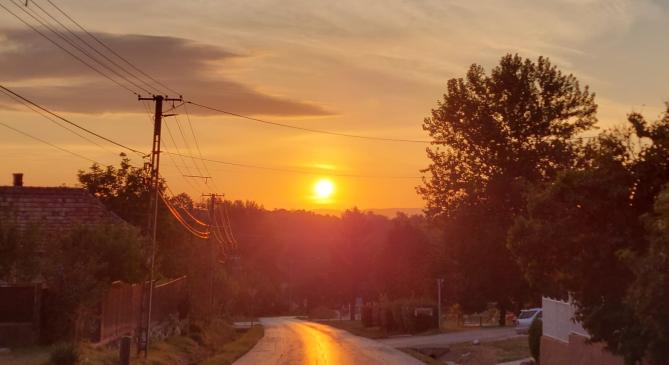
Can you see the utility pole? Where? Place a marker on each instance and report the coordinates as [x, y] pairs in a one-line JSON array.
[[154, 199], [212, 252], [440, 281]]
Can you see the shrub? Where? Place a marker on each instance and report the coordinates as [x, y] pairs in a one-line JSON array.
[[367, 316], [64, 354], [534, 338], [322, 312]]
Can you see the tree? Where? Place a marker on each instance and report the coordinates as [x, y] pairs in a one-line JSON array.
[[407, 257], [649, 292], [19, 256], [81, 265], [570, 241], [495, 134], [596, 235], [124, 191]]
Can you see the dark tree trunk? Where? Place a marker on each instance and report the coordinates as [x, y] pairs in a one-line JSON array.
[[502, 316]]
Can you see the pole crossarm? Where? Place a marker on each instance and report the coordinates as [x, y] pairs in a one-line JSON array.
[[152, 224]]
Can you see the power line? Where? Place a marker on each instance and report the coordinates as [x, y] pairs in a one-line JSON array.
[[111, 49], [167, 151], [68, 51], [312, 130], [197, 145], [52, 120], [83, 41], [269, 168], [181, 220], [33, 14], [47, 143], [190, 153], [71, 122]]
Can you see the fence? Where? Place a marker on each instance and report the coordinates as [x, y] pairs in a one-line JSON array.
[[564, 340], [558, 322], [120, 309]]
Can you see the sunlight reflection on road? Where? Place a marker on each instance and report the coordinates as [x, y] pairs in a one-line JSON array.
[[293, 341]]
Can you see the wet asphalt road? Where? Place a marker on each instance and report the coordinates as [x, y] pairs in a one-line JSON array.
[[293, 341]]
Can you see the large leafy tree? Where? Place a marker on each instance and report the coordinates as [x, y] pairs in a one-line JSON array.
[[649, 292], [492, 135], [594, 234], [81, 266], [124, 190]]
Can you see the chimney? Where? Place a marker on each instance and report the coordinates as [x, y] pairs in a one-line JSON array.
[[18, 179]]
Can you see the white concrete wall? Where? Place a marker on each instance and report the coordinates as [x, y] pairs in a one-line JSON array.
[[558, 320]]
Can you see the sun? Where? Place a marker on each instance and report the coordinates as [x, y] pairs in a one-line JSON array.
[[323, 189]]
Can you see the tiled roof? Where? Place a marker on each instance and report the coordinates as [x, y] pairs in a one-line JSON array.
[[52, 209]]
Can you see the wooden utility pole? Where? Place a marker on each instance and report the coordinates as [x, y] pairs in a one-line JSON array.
[[440, 282], [213, 222], [154, 199]]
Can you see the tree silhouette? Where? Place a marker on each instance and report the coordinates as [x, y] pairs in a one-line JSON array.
[[492, 136]]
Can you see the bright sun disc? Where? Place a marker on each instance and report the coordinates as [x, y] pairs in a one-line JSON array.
[[324, 188]]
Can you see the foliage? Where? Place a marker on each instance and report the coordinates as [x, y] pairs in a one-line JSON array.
[[495, 134], [236, 349], [124, 191], [64, 354], [649, 292], [586, 227], [534, 338], [19, 259], [322, 312], [81, 265]]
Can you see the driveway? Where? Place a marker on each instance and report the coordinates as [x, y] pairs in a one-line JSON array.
[[289, 340]]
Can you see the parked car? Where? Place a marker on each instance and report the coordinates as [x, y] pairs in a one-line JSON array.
[[525, 319]]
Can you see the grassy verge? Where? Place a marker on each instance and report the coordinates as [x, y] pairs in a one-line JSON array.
[[236, 349], [484, 354], [422, 357], [204, 340], [26, 356]]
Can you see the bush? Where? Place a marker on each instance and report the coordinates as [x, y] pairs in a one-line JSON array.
[[64, 354], [322, 312], [534, 338], [367, 316]]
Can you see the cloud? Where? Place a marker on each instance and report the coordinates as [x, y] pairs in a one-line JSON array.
[[41, 71]]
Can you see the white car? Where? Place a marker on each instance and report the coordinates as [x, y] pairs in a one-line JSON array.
[[525, 319]]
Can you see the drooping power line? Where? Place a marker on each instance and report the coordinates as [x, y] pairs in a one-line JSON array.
[[312, 130], [71, 122]]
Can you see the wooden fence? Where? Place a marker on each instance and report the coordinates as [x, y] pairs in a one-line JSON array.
[[120, 307]]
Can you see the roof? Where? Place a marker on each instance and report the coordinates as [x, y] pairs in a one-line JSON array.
[[52, 209]]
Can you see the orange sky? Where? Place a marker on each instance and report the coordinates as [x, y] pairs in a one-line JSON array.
[[369, 68]]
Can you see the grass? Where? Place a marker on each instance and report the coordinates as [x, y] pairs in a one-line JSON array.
[[214, 338], [484, 354], [26, 356], [422, 357], [236, 349]]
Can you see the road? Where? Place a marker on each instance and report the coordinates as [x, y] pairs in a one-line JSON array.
[[441, 340], [293, 341]]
